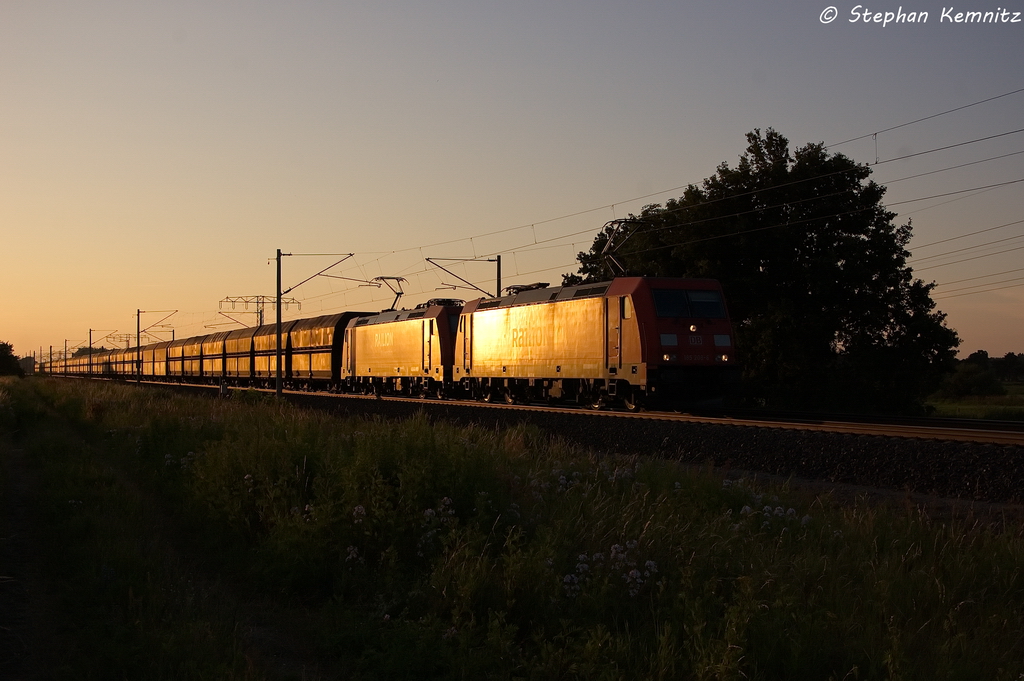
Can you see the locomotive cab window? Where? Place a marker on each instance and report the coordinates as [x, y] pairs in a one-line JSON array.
[[680, 303], [706, 304], [671, 303], [625, 307]]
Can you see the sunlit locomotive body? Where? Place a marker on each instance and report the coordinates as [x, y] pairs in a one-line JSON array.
[[626, 342], [402, 351], [630, 341]]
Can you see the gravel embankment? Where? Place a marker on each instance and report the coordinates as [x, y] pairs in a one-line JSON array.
[[947, 469]]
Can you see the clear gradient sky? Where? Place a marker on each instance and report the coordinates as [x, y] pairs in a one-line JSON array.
[[154, 155]]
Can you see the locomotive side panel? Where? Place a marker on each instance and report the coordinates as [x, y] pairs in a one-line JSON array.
[[389, 349], [401, 350], [556, 339]]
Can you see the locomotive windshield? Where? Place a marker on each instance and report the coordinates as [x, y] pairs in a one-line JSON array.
[[680, 303]]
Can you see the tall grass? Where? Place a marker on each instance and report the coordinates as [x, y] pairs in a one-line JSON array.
[[421, 550]]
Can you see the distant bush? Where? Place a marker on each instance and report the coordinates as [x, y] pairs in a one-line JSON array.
[[971, 379]]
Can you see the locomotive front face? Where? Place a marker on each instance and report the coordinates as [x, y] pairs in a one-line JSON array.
[[689, 344], [693, 328]]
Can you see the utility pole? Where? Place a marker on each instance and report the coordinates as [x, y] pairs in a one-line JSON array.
[[125, 338], [138, 336], [279, 387], [496, 259], [280, 381], [259, 301]]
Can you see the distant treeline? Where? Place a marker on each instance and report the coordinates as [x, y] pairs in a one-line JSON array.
[[980, 374]]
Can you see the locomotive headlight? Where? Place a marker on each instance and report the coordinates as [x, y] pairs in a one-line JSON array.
[[693, 327], [669, 358], [722, 358]]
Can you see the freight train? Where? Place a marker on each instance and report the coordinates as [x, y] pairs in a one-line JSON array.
[[628, 342]]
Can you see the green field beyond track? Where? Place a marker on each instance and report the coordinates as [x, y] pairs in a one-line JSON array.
[[148, 535]]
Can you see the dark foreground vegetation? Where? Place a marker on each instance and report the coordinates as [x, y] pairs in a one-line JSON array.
[[146, 535]]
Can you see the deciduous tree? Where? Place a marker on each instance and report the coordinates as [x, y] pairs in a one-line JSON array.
[[826, 309]]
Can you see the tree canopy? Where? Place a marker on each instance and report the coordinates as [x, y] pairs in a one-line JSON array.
[[826, 310], [9, 361]]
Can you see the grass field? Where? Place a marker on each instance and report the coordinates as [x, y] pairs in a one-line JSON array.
[[1008, 407], [185, 538]]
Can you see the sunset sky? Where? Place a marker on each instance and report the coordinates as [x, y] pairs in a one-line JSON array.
[[153, 155]]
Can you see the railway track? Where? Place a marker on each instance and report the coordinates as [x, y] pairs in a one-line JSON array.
[[973, 462], [1007, 433]]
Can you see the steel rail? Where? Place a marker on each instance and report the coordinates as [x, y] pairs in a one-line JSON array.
[[975, 432]]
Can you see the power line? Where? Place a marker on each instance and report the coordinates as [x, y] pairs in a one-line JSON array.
[[958, 295], [839, 172], [977, 257], [984, 276], [960, 191], [991, 283], [540, 243], [962, 236], [765, 189], [695, 184], [951, 146], [942, 170], [919, 120], [790, 223], [969, 248]]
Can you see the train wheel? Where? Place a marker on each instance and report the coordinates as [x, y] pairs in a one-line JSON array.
[[509, 397], [632, 402]]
